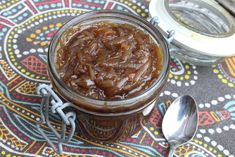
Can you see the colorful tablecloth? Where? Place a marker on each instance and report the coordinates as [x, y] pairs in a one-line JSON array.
[[26, 28]]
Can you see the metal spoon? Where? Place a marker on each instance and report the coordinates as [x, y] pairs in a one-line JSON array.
[[180, 122]]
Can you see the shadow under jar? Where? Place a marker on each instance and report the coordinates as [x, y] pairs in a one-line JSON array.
[[105, 115]]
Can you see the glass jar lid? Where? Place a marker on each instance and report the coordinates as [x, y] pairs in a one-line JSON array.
[[201, 26]]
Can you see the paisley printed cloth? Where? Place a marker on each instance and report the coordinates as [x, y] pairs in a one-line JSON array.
[[26, 28]]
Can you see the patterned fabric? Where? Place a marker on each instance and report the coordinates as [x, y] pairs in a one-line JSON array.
[[26, 28]]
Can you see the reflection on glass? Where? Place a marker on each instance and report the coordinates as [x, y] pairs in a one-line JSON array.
[[200, 17]]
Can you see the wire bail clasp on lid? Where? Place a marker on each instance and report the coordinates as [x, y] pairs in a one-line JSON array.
[[52, 103], [171, 33]]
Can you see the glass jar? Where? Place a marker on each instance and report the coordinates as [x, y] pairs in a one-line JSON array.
[[204, 31], [100, 119]]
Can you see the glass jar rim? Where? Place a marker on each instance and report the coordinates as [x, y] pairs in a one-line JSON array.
[[111, 14]]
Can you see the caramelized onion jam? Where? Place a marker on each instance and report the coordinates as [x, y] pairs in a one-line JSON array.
[[109, 61]]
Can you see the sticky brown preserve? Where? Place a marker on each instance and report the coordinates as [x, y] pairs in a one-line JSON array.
[[109, 61]]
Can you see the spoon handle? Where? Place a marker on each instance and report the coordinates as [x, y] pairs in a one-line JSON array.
[[171, 153]]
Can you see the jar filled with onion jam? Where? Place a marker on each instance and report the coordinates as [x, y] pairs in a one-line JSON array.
[[112, 66]]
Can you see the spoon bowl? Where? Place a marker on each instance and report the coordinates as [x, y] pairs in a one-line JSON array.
[[180, 122]]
